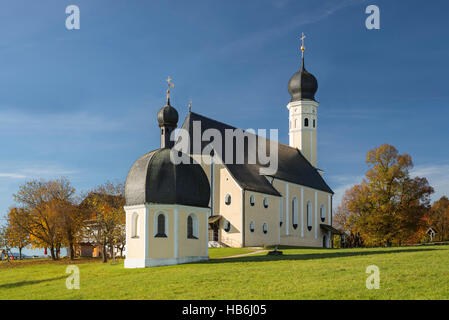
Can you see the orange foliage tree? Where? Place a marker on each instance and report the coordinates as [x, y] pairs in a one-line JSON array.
[[17, 236], [389, 206], [44, 202]]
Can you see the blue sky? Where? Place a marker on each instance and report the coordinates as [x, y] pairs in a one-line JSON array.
[[83, 103]]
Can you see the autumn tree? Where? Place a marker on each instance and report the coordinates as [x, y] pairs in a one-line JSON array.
[[18, 237], [343, 220], [43, 205], [104, 205], [438, 218], [388, 206], [4, 242], [71, 220]]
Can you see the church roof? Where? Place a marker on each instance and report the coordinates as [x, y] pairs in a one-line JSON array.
[[154, 178], [292, 165], [302, 85]]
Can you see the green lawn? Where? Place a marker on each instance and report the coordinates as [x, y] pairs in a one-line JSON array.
[[420, 272]]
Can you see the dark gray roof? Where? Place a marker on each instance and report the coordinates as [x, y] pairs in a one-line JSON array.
[[302, 85], [167, 116], [154, 178], [292, 165]]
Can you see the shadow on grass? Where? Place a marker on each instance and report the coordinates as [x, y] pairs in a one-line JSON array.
[[28, 283], [341, 253]]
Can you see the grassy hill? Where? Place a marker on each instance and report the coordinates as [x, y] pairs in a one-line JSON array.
[[420, 272]]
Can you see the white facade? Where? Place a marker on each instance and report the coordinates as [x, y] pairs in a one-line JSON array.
[[303, 124]]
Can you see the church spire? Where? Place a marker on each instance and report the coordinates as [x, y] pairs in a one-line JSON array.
[[302, 85], [168, 119], [303, 48], [170, 85]]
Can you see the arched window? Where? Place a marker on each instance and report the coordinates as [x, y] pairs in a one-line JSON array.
[[295, 213], [322, 213], [314, 123], [306, 122], [135, 225], [251, 226], [265, 202], [228, 199], [192, 226], [309, 215], [252, 201], [227, 226], [161, 225], [265, 228], [281, 215]]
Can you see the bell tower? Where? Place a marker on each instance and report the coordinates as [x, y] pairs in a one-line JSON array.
[[303, 111]]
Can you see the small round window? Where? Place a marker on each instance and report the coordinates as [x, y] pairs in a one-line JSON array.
[[252, 201], [227, 226], [228, 199], [265, 202], [251, 226], [265, 228]]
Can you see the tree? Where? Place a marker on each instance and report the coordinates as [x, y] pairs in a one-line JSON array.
[[18, 237], [43, 204], [104, 205], [71, 221], [388, 206], [4, 242], [120, 239], [438, 218], [342, 220]]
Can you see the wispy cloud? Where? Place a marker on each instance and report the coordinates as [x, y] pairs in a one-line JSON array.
[[342, 183], [259, 38], [12, 175], [33, 171], [437, 175], [12, 121]]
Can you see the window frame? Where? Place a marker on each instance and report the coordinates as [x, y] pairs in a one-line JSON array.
[[228, 199], [228, 223], [252, 226], [156, 225], [295, 213], [194, 227], [135, 226], [265, 228], [309, 215], [322, 213], [252, 200]]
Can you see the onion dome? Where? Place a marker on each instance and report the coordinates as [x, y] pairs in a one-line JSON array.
[[302, 85], [154, 178], [167, 116]]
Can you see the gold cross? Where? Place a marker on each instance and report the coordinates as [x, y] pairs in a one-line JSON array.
[[190, 105], [303, 36], [170, 84]]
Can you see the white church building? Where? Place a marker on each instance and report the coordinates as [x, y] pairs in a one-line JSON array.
[[175, 212]]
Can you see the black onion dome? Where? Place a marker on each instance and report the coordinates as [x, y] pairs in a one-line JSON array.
[[302, 85], [167, 116], [154, 178]]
